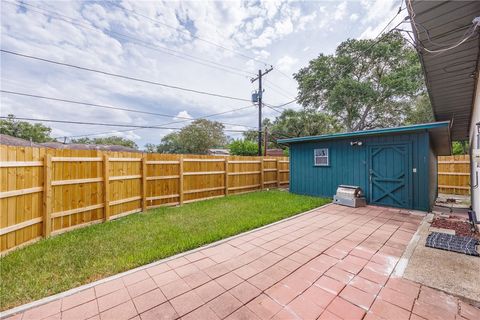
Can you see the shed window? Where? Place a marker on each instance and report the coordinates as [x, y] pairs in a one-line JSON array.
[[321, 157]]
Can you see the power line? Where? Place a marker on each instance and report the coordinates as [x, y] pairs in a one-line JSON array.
[[190, 34], [89, 104], [164, 124], [105, 124], [162, 49], [122, 76]]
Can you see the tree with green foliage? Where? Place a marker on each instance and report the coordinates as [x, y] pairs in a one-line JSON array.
[[420, 112], [112, 140], [196, 138], [363, 85], [35, 132], [459, 147], [243, 148]]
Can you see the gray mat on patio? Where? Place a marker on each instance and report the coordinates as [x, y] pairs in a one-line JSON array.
[[466, 245]]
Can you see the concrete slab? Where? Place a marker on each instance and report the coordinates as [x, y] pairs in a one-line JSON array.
[[451, 272]]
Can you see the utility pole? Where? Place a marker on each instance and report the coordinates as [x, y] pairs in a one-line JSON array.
[[260, 93], [265, 141]]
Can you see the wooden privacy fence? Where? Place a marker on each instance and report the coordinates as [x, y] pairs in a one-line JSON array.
[[50, 191], [454, 174]]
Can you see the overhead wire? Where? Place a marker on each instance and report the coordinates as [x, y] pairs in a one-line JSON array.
[[156, 47], [96, 105], [122, 76], [190, 34]]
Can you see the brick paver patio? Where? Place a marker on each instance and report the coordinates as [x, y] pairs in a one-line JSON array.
[[332, 263]]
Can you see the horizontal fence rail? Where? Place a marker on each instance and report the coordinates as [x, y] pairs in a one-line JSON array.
[[46, 192], [454, 174]]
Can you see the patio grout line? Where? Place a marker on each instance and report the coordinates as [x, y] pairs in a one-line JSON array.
[[30, 305]]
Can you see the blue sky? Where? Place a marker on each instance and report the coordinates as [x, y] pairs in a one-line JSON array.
[[138, 42]]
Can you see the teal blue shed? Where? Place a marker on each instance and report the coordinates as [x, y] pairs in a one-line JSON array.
[[394, 166]]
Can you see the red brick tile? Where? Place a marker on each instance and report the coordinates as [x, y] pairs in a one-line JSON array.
[[186, 270], [330, 285], [339, 274], [379, 268], [112, 299], [337, 253], [396, 298], [432, 312], [299, 257], [141, 287], [304, 308], [196, 279], [469, 312], [186, 302], [149, 300], [355, 260], [121, 312], [345, 309], [43, 311], [78, 298], [327, 315], [19, 316], [319, 296], [178, 262], [58, 316], [349, 266], [204, 263], [202, 313], [175, 288], [387, 310], [216, 271], [372, 316], [362, 252], [276, 273], [166, 277], [224, 305], [229, 280], [436, 297], [135, 277], [374, 276], [195, 256], [365, 285], [245, 292], [160, 268], [285, 314], [83, 311], [246, 272], [108, 287], [281, 293], [264, 307], [358, 297], [164, 311], [243, 314], [209, 291], [406, 287]]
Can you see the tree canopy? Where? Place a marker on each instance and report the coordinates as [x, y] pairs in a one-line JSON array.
[[363, 85], [112, 140], [243, 148], [196, 138], [35, 132]]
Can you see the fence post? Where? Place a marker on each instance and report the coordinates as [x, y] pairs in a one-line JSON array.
[[47, 195], [144, 183], [226, 176], [262, 173], [180, 182], [106, 186], [278, 173]]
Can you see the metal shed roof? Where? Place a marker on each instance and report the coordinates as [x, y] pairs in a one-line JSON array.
[[439, 132], [449, 75]]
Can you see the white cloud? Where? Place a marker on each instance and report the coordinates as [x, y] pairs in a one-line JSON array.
[[340, 11], [183, 115], [286, 63], [354, 17]]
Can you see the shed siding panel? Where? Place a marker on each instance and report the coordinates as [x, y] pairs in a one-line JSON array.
[[349, 165]]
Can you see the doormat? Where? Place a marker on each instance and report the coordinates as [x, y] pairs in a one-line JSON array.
[[466, 245]]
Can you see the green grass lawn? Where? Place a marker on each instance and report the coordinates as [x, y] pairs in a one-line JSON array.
[[66, 261]]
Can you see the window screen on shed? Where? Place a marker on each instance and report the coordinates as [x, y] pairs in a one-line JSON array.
[[321, 157]]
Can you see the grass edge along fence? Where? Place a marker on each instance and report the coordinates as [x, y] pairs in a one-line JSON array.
[[454, 174], [46, 192]]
